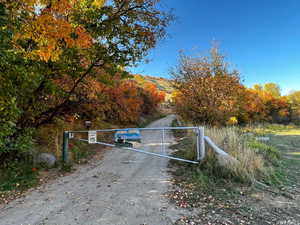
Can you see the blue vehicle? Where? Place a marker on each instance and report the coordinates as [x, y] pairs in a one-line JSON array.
[[124, 137]]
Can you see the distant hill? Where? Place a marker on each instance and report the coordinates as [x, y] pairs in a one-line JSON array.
[[162, 84]]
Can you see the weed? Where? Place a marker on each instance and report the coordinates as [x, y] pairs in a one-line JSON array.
[[178, 133], [270, 153], [256, 160], [80, 152], [18, 175], [66, 167]]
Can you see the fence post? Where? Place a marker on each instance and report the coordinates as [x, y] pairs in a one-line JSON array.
[[163, 142], [65, 148], [200, 144]]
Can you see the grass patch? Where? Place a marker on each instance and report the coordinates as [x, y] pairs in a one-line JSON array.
[[293, 153], [257, 161], [269, 152], [178, 133], [81, 152], [274, 129], [288, 171], [254, 162], [18, 175], [23, 173]]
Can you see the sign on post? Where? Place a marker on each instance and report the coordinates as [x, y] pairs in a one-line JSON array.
[[71, 135], [92, 137]]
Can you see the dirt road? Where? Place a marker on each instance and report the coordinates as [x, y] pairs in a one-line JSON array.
[[125, 188]]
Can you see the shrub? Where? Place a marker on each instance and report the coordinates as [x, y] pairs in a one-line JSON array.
[[251, 164], [255, 160], [18, 174], [270, 153], [177, 133], [81, 151]]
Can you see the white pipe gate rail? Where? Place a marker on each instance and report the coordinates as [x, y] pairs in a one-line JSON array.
[[200, 142]]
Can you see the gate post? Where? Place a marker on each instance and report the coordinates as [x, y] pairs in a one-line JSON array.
[[163, 142], [200, 144], [65, 147]]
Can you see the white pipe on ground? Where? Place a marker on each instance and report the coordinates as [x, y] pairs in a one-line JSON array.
[[214, 146], [224, 158]]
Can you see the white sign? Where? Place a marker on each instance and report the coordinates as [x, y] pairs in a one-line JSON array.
[[71, 135], [263, 138], [92, 137]]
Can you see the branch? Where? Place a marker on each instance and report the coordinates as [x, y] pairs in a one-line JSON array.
[[55, 111]]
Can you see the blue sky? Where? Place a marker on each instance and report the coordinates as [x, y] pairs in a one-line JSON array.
[[261, 38]]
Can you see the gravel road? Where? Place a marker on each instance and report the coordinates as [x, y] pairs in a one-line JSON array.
[[125, 188]]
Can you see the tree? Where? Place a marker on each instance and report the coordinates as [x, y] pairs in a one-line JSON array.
[[294, 98], [11, 64], [57, 47], [152, 97], [257, 87], [252, 108], [124, 33], [276, 107], [207, 90], [294, 101], [273, 89], [122, 102]]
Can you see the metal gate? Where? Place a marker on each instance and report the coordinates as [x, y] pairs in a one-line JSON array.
[[123, 138]]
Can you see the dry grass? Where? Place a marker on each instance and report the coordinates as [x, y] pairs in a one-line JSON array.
[[251, 164], [256, 160]]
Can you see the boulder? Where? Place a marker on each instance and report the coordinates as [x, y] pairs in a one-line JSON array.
[[47, 159]]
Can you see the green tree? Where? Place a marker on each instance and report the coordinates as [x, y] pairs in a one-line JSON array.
[[11, 64]]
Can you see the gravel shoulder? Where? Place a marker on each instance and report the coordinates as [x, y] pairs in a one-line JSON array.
[[124, 188]]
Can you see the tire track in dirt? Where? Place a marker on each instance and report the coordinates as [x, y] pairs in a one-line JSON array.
[[125, 188]]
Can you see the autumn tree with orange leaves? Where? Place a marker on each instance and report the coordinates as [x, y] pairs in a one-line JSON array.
[[276, 108], [121, 102], [50, 49], [208, 92]]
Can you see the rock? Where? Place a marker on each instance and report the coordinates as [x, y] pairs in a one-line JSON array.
[[47, 159]]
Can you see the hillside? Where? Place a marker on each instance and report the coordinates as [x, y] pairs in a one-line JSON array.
[[162, 84]]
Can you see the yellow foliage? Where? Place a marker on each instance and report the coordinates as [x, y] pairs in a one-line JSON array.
[[232, 121], [98, 3]]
